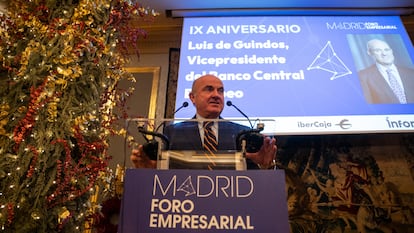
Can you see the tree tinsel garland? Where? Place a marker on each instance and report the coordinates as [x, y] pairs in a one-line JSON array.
[[60, 63]]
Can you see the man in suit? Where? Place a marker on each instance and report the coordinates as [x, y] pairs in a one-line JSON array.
[[207, 96], [384, 82]]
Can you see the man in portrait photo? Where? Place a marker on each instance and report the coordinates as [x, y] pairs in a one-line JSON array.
[[385, 82]]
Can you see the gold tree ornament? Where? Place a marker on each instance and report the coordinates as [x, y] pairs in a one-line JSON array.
[[60, 64]]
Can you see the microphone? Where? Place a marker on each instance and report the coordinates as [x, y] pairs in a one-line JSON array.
[[184, 105], [151, 147], [252, 138], [229, 103]]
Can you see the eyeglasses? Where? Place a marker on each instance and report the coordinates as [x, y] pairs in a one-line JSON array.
[[386, 50]]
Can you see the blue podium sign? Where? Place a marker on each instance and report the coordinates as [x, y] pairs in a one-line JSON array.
[[204, 201]]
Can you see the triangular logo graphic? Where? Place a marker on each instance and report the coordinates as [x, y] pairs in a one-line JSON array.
[[329, 61], [187, 187]]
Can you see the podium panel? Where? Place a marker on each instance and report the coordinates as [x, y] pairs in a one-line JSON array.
[[170, 201], [224, 160]]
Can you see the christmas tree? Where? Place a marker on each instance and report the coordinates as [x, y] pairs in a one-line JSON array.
[[60, 63]]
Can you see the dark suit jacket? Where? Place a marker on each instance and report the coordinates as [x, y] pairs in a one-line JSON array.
[[376, 89], [186, 136]]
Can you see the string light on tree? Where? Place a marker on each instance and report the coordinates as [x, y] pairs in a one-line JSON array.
[[57, 108]]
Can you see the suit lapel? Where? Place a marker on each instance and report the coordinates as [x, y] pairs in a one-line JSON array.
[[194, 135], [384, 92]]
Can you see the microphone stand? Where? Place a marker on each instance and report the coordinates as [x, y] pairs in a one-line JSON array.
[[151, 147], [251, 139]]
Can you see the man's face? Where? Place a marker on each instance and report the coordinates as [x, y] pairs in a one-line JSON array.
[[381, 52], [208, 96]]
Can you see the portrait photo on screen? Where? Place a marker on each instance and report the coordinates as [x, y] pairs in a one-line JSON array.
[[385, 69]]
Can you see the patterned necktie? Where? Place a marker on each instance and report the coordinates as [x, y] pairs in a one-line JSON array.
[[210, 140], [396, 87]]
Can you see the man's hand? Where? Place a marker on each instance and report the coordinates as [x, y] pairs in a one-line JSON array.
[[141, 160], [266, 156]]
